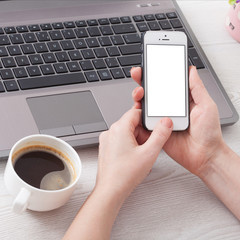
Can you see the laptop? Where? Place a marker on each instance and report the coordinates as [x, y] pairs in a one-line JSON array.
[[64, 69]]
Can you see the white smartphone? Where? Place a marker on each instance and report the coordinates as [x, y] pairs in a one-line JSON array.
[[165, 79]]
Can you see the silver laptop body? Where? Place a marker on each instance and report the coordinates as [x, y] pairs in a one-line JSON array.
[[78, 113]]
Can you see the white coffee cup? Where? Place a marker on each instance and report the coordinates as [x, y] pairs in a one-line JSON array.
[[29, 197]]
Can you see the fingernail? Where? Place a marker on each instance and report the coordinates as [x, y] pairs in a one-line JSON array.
[[167, 122]]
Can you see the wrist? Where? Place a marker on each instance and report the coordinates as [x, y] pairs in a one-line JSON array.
[[110, 197], [218, 161]]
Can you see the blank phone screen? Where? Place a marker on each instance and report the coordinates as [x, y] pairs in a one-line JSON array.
[[166, 79]]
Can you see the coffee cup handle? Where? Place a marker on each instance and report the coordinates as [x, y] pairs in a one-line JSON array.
[[21, 201]]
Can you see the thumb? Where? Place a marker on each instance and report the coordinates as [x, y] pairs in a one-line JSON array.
[[158, 138]]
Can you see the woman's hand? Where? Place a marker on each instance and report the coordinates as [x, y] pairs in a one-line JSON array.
[[127, 153], [195, 147]]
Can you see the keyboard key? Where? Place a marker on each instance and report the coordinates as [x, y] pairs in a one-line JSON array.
[[41, 47], [69, 24], [111, 62], [36, 59], [1, 31], [130, 60], [28, 48], [117, 73], [8, 62], [195, 58], [73, 66], [4, 40], [1, 66], [86, 65], [143, 27], [29, 37], [11, 85], [1, 88], [117, 40], [154, 25], [189, 62], [88, 53], [68, 34], [127, 71], [79, 43], [3, 52], [16, 38], [171, 15], [54, 46], [58, 25], [132, 38], [49, 57], [124, 28], [20, 72], [67, 45], [104, 75], [47, 69], [103, 21], [10, 30], [105, 41], [92, 22], [92, 42], [81, 32], [34, 28], [62, 56], [138, 18], [131, 49], [6, 74], [99, 64], [94, 31], [100, 52], [81, 23], [75, 55], [114, 20], [165, 24], [14, 50], [33, 71], [22, 29], [176, 23], [125, 19], [160, 16], [113, 51], [60, 68], [149, 17], [56, 35], [22, 61], [91, 76], [106, 30], [43, 36], [49, 81], [46, 26]]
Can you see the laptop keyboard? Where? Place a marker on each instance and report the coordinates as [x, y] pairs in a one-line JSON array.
[[63, 53]]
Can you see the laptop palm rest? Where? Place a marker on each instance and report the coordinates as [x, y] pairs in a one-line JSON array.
[[67, 114]]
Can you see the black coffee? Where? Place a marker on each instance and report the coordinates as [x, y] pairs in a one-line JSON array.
[[43, 169]]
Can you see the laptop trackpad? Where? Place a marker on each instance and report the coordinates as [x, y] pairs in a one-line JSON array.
[[67, 114]]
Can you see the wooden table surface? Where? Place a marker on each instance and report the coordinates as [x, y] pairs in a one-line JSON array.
[[171, 203]]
